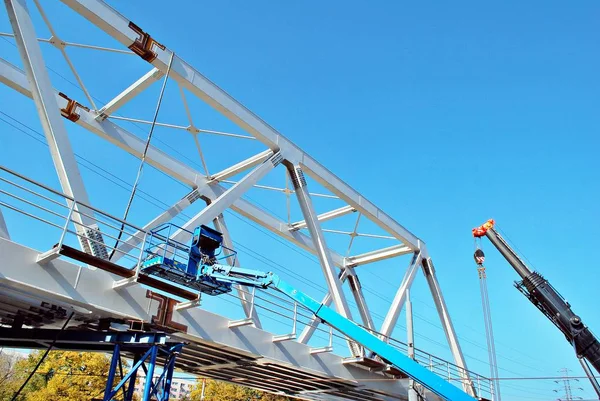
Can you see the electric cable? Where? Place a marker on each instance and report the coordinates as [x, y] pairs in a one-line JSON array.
[[143, 159], [43, 357], [306, 255]]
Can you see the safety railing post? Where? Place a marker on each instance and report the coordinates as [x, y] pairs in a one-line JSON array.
[[141, 256], [252, 302], [66, 227], [295, 318]]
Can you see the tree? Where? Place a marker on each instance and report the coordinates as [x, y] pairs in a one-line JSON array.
[[221, 391], [8, 374], [64, 375]]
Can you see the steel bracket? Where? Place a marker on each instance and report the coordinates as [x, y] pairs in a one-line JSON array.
[[69, 111], [143, 45]]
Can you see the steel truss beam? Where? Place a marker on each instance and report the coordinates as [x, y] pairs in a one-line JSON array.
[[131, 92], [377, 255], [342, 211], [333, 282], [120, 137], [118, 27], [114, 24], [42, 92], [394, 312], [242, 166], [440, 304], [359, 298]]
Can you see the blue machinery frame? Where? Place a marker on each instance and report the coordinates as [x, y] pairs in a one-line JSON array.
[[157, 387]]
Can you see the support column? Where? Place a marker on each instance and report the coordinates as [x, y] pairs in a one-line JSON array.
[[3, 228], [243, 292], [410, 340], [391, 318], [334, 284], [359, 297], [47, 107], [442, 309]]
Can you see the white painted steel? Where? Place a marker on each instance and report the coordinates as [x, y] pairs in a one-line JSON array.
[[41, 90], [391, 317], [130, 93]]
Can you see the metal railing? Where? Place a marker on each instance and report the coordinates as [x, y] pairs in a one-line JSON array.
[[48, 213]]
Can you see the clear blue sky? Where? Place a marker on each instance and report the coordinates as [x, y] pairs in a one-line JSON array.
[[444, 115]]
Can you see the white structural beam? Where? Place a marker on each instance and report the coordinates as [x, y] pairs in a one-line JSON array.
[[3, 228], [359, 298], [14, 78], [332, 214], [11, 76], [223, 202], [333, 282], [243, 292], [242, 166], [117, 26], [391, 318], [132, 91], [440, 304], [48, 110], [377, 255]]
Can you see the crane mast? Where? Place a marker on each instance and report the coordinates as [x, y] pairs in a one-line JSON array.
[[547, 299]]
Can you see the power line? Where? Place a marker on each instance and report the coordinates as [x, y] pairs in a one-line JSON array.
[[300, 252]]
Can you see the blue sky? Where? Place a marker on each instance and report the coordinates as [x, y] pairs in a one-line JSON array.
[[443, 115]]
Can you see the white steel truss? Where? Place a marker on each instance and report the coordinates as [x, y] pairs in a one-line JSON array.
[[214, 189]]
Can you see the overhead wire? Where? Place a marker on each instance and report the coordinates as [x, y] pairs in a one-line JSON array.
[[279, 240], [255, 254], [143, 158]]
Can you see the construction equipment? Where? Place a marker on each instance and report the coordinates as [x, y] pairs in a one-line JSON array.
[[479, 257], [547, 299], [202, 269]]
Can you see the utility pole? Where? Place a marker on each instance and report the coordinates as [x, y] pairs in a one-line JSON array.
[[567, 390]]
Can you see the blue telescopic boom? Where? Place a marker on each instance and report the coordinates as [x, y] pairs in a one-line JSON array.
[[389, 354]]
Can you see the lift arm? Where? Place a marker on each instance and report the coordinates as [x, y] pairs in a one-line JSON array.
[[389, 354], [541, 293]]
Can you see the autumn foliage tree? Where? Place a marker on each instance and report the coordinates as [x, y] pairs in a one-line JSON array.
[[64, 375], [221, 391]]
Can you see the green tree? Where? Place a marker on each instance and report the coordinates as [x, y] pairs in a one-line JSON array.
[[8, 374], [221, 391], [64, 375]]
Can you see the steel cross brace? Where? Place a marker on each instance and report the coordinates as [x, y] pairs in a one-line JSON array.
[[159, 388]]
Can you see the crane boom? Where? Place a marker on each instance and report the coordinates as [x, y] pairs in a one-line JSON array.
[[545, 297]]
